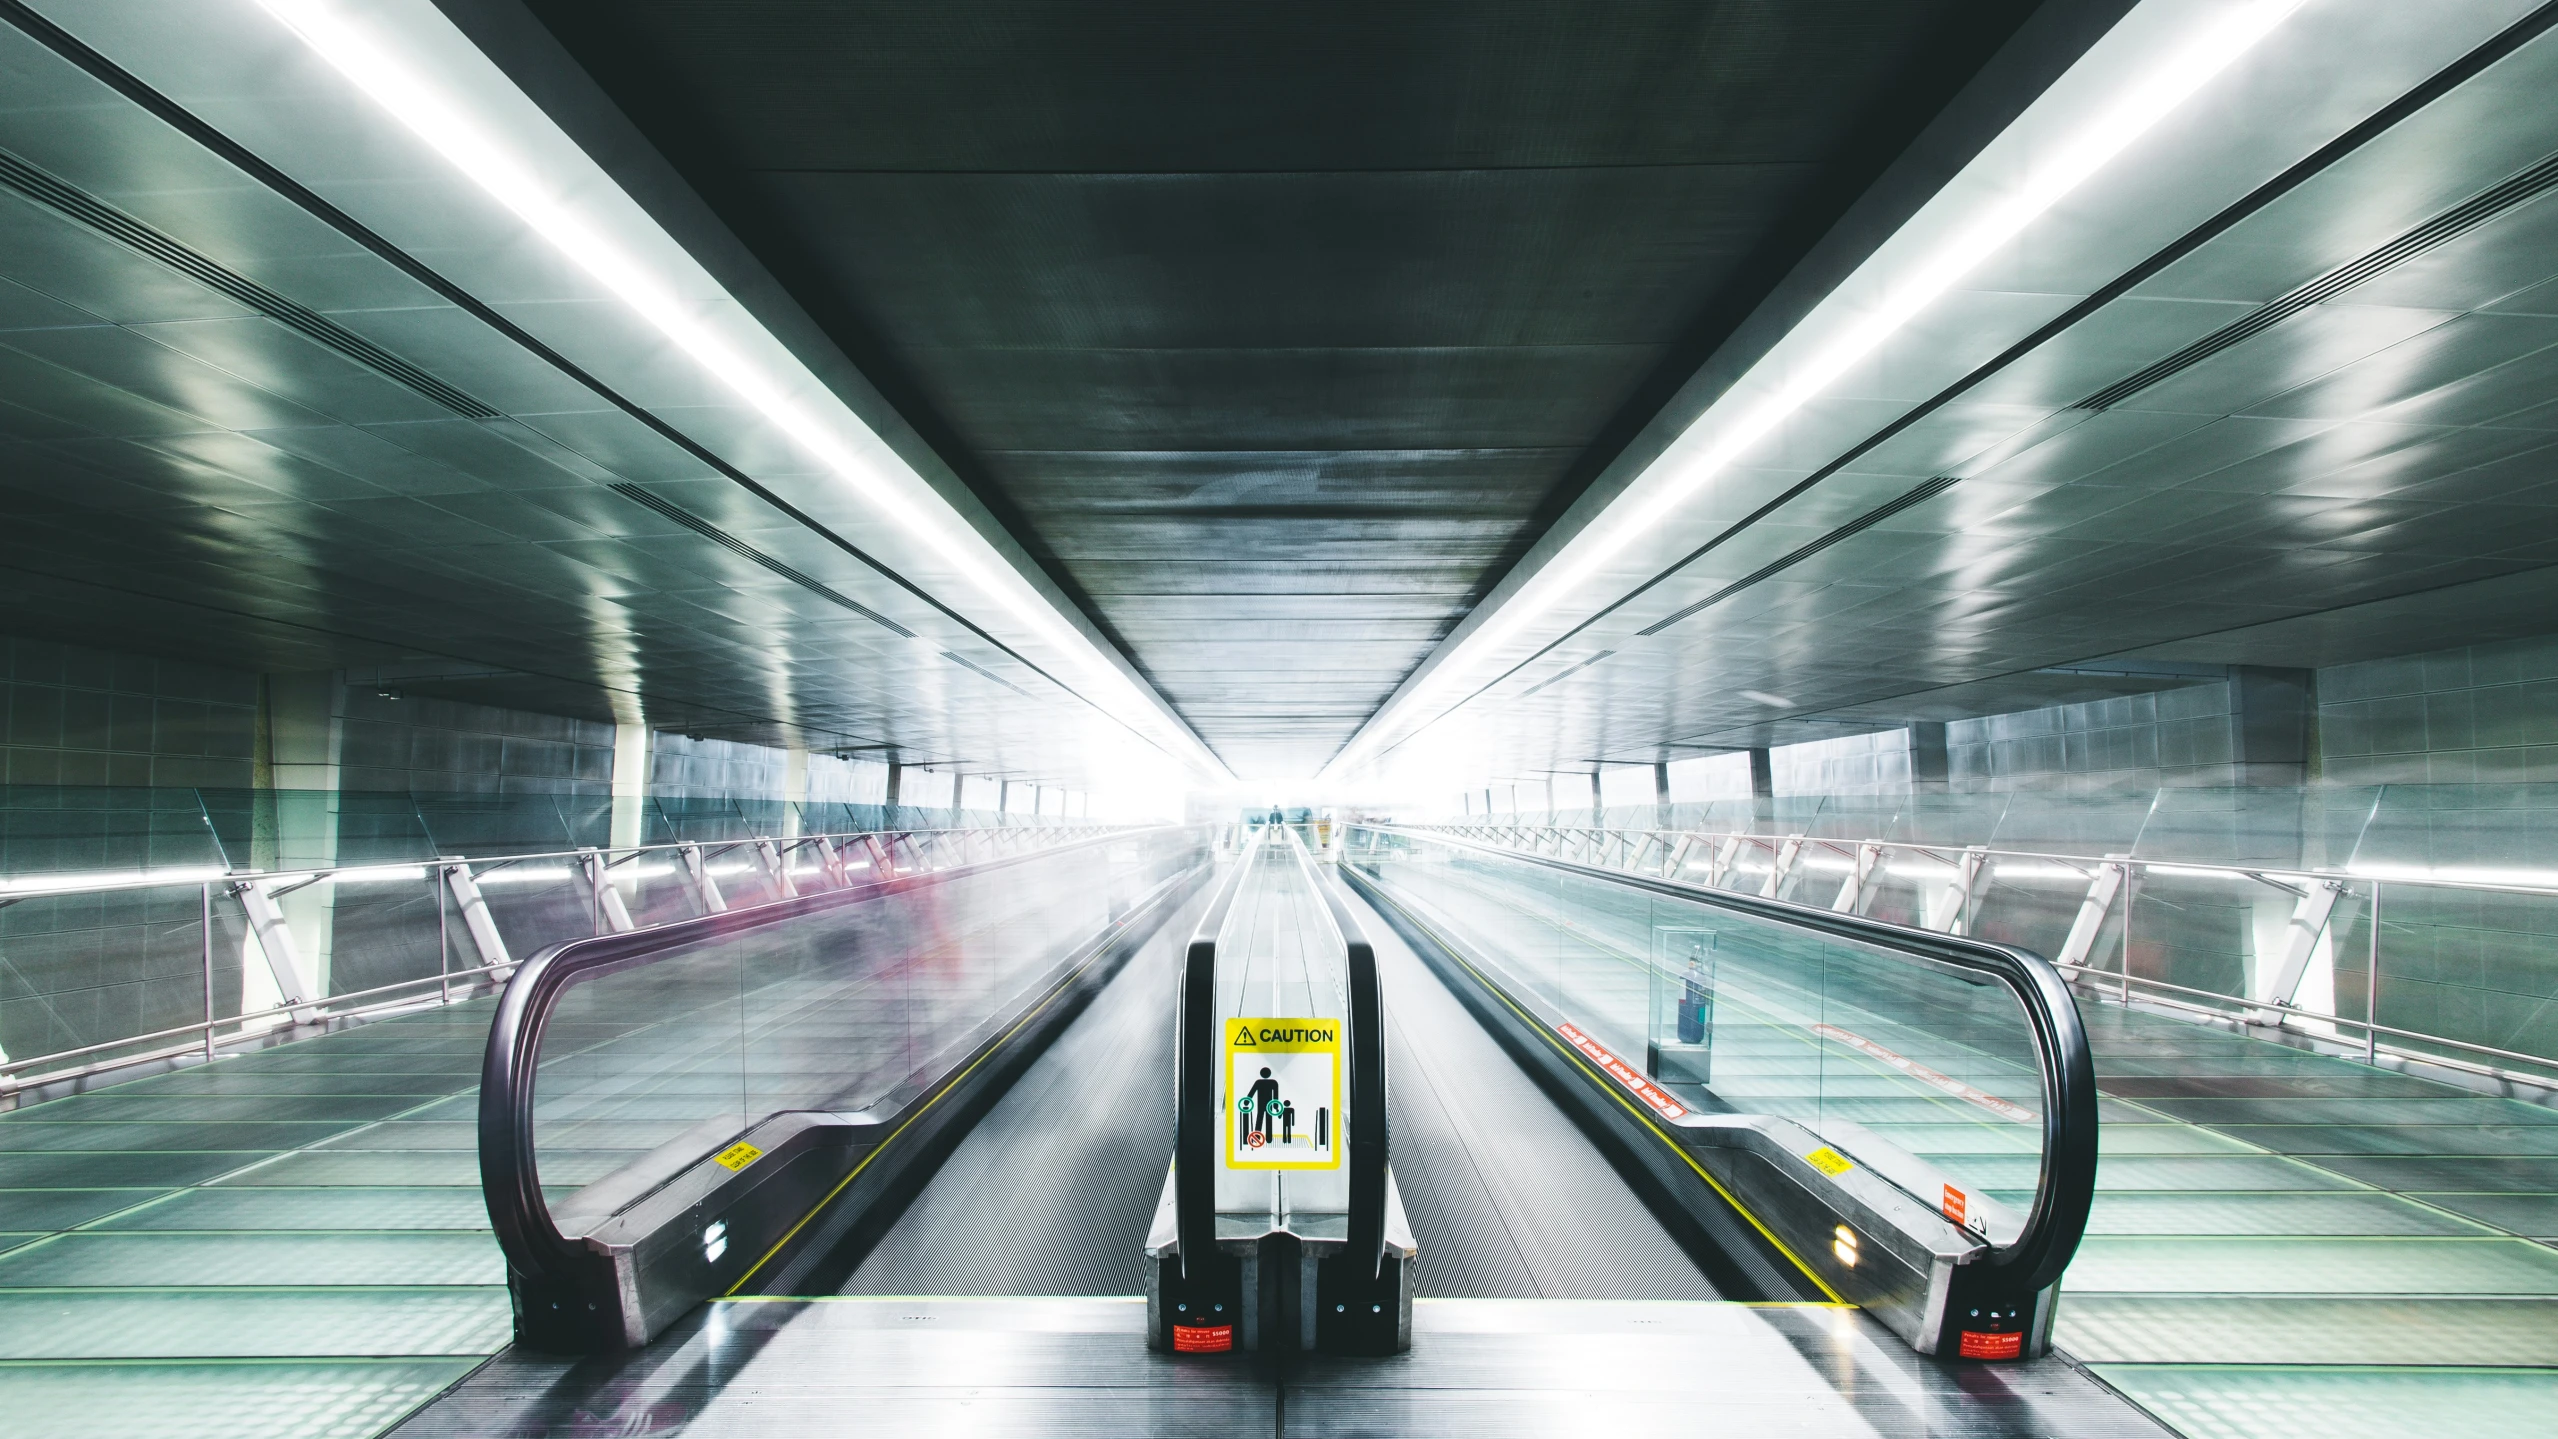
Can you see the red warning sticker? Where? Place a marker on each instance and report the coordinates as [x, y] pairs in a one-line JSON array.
[[1954, 1204], [1218, 1338], [1977, 1345], [1623, 1073]]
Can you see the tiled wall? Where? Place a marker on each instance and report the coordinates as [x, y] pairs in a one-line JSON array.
[[420, 745], [2487, 714], [1710, 777], [682, 768], [2170, 737], [1851, 764], [80, 717]]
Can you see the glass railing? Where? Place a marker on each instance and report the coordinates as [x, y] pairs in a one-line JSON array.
[[100, 969], [642, 1067], [2405, 924], [1952, 1067], [663, 1112]]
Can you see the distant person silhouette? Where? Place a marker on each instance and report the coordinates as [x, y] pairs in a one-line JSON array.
[[1264, 1099]]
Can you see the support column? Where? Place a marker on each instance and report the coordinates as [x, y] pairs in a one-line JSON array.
[[1661, 795], [794, 787], [302, 733], [1930, 773], [632, 756], [1598, 803], [2271, 716], [1762, 784], [896, 776]]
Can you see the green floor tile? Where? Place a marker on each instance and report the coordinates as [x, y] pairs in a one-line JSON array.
[[2261, 1265], [2467, 1174], [310, 1209], [55, 1209], [459, 1168], [288, 1399], [2533, 1216], [2265, 1172], [2241, 1402], [2181, 1329], [2433, 1140], [119, 1107], [410, 1134], [113, 1171], [2479, 1110], [238, 1079], [2145, 1140], [2174, 1078], [2349, 1213], [102, 1134], [93, 1259], [459, 1106], [252, 1324]]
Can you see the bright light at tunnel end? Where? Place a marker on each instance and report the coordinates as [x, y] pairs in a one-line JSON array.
[[447, 127], [2226, 33]]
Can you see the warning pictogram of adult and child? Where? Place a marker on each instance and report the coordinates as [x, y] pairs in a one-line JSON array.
[[1283, 1089]]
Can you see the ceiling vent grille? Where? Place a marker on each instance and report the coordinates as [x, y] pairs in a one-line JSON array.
[[1925, 491], [734, 545], [83, 208], [2450, 225]]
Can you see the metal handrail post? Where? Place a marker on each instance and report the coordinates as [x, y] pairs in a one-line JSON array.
[[204, 895]]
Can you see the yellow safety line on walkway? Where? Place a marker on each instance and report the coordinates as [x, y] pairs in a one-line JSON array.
[[1616, 1092]]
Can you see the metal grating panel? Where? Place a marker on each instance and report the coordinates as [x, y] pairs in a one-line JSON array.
[[83, 208], [2450, 225]]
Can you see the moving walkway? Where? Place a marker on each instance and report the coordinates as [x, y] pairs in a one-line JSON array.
[[744, 1103], [680, 1112]]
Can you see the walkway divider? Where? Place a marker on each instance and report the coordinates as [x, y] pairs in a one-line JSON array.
[[1281, 1278]]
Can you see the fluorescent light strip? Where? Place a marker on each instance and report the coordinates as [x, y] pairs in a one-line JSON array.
[[2232, 31], [40, 884], [443, 125]]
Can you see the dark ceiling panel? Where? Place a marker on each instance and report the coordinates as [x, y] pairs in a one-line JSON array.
[[1325, 300]]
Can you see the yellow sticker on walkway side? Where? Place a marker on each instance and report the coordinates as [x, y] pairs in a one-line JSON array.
[[738, 1155], [1829, 1161]]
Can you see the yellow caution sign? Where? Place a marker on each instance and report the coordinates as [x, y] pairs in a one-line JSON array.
[[738, 1155], [1829, 1161], [1283, 1093]]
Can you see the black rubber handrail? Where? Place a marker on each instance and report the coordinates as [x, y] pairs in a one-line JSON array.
[[2067, 1189], [1368, 1106], [510, 1172], [1196, 1122]]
